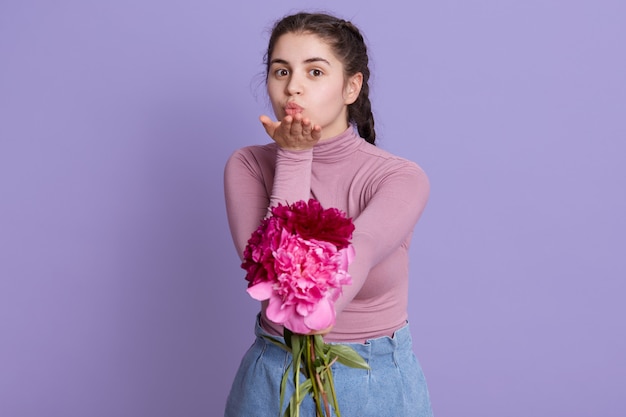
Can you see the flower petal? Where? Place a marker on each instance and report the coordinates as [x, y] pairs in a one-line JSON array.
[[261, 291], [322, 317], [296, 324], [278, 312]]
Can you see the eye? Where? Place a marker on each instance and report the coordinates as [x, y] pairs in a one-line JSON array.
[[282, 72], [316, 72]]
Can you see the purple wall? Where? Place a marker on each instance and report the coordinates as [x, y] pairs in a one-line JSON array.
[[120, 290]]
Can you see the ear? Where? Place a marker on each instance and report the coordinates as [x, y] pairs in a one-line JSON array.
[[353, 88]]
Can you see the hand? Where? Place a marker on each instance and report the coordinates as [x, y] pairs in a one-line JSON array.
[[294, 133], [322, 332]]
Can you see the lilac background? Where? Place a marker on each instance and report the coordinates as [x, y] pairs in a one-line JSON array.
[[120, 290]]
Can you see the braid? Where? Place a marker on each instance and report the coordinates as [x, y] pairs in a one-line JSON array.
[[361, 113]]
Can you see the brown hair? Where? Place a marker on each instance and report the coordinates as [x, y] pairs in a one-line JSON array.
[[348, 44]]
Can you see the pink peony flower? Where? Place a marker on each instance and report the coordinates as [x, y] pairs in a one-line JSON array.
[[311, 221], [297, 262]]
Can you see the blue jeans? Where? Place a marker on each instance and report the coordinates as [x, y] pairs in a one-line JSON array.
[[394, 386]]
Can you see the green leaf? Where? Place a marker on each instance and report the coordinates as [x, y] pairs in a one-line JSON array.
[[348, 356], [332, 393], [283, 386], [287, 335], [278, 343], [298, 396], [296, 345], [304, 388], [318, 341], [321, 350]]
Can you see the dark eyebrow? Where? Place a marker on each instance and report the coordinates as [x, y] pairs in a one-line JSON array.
[[306, 61], [278, 61], [316, 59]]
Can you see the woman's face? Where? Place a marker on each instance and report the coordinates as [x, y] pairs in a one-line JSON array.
[[305, 77]]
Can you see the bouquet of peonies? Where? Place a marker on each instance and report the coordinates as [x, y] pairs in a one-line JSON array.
[[298, 260]]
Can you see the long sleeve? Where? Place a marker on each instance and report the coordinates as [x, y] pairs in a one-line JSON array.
[[247, 194], [292, 180], [384, 226], [383, 194]]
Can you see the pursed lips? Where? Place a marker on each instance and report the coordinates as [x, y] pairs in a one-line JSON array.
[[292, 108]]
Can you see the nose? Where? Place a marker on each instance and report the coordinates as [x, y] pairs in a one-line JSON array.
[[294, 85]]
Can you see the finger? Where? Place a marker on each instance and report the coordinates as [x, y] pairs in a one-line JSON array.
[[321, 331], [287, 120], [316, 132], [296, 127], [306, 127], [285, 125], [269, 125], [265, 120]]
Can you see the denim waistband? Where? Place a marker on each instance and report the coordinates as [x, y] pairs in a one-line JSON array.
[[400, 341]]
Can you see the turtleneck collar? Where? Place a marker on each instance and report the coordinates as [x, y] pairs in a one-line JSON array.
[[339, 147]]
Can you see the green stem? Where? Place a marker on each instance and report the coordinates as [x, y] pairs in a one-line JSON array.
[[324, 395], [296, 375], [331, 383], [310, 362]]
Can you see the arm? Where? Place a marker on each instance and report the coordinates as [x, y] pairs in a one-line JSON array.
[[385, 223], [253, 183]]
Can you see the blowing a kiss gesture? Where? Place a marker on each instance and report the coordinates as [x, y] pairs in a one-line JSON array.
[[322, 127], [306, 82], [293, 132]]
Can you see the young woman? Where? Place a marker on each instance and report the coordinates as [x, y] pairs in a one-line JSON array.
[[323, 147]]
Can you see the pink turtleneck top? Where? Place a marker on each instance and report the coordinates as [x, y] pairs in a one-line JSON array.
[[385, 196]]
